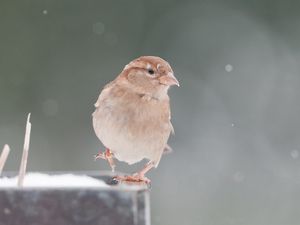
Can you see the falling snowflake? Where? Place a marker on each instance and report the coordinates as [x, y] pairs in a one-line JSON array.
[[98, 28], [228, 68], [238, 177], [50, 107], [295, 154]]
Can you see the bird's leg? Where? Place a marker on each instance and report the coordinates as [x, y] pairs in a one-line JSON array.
[[107, 155], [146, 168], [138, 177]]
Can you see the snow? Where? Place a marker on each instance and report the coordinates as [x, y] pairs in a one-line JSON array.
[[295, 154], [50, 107], [53, 181], [99, 28], [238, 177], [228, 68]]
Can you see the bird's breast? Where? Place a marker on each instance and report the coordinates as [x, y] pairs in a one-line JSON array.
[[133, 127]]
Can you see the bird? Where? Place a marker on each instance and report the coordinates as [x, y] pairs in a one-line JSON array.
[[132, 115]]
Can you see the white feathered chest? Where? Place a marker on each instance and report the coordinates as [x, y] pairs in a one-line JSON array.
[[133, 126]]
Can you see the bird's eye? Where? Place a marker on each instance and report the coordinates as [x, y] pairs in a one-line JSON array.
[[151, 71]]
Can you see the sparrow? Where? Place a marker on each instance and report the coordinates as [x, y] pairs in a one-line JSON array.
[[132, 115]]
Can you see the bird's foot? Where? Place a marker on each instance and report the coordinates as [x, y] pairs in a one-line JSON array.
[[107, 155], [99, 155], [135, 178]]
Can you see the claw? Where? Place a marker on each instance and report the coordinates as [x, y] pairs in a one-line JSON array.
[[99, 155], [107, 155], [135, 178]]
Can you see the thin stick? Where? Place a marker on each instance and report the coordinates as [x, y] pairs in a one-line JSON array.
[[3, 157], [25, 153]]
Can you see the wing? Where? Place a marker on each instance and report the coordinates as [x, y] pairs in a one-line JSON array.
[[167, 150], [171, 126], [105, 91]]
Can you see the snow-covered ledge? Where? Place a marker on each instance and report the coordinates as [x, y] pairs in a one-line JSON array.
[[68, 199]]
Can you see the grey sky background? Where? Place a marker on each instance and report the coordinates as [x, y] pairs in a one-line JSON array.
[[236, 114]]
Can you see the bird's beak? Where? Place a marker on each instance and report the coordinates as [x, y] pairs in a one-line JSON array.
[[169, 80]]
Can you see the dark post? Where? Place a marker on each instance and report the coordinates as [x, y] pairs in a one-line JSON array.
[[114, 205]]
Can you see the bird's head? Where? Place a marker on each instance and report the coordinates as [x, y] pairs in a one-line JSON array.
[[149, 75]]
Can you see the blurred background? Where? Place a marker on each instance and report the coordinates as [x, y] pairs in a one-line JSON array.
[[236, 115]]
